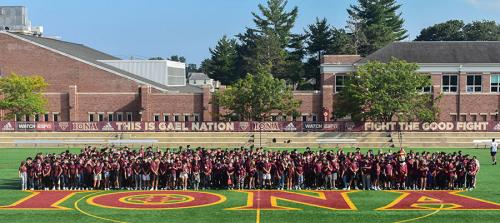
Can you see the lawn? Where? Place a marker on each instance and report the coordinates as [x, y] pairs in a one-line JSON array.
[[365, 201]]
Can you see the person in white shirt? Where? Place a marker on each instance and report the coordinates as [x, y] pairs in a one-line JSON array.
[[493, 151]]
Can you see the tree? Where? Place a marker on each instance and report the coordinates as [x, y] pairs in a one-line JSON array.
[[178, 58], [383, 91], [22, 95], [156, 58], [451, 30], [457, 30], [319, 38], [255, 96], [482, 31], [267, 43], [222, 64], [380, 23], [295, 66]]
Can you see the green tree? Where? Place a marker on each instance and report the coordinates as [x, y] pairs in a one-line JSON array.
[[457, 30], [380, 23], [256, 96], [267, 43], [295, 66], [451, 30], [178, 58], [383, 91], [482, 31], [319, 38], [222, 64], [22, 95]]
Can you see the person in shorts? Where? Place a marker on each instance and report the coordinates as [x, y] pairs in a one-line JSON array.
[[493, 151]]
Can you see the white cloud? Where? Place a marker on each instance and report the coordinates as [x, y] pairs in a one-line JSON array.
[[486, 4]]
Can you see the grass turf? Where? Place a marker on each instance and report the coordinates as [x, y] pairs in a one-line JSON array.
[[366, 202]]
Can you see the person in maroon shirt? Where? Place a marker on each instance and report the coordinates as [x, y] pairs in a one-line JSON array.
[[56, 175], [366, 167], [230, 175], [318, 178], [422, 174], [353, 175], [163, 174], [195, 168], [299, 171], [328, 175], [154, 168], [266, 171], [290, 174], [97, 174], [207, 173], [114, 176], [252, 171], [137, 170], [72, 171]]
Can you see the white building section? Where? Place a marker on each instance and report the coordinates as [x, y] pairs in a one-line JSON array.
[[166, 72], [15, 19]]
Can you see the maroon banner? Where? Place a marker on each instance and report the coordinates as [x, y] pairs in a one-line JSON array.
[[11, 126]]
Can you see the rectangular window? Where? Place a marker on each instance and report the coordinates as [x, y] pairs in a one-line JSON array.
[[186, 118], [165, 118], [119, 117], [473, 118], [27, 118], [340, 82], [110, 117], [274, 118], [284, 118], [129, 116], [463, 118], [454, 118], [314, 118], [176, 118], [91, 117], [100, 117], [37, 117], [450, 83], [495, 83], [55, 117], [474, 83], [196, 117], [18, 118], [156, 118], [483, 118], [304, 118], [46, 117]]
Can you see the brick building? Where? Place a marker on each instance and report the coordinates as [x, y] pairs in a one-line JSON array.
[[87, 85], [466, 74]]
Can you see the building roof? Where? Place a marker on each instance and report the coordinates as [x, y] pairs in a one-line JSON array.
[[439, 52], [198, 76], [93, 56], [340, 59]]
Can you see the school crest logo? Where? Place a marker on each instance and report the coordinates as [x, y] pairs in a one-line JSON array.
[[244, 126], [63, 125]]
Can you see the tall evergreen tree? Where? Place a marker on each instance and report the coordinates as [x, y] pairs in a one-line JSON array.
[[266, 44], [319, 38], [222, 63], [380, 22], [482, 31]]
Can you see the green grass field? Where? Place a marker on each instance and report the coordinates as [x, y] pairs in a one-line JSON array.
[[488, 188]]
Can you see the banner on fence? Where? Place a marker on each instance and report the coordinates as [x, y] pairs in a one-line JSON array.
[[10, 126]]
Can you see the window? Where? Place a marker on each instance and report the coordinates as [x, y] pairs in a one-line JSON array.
[[340, 82], [176, 118], [165, 118], [196, 117], [129, 116], [46, 117], [91, 117], [463, 118], [450, 83], [18, 118], [284, 118], [483, 118], [274, 118], [27, 118], [186, 118], [156, 118], [55, 117], [495, 83], [110, 117], [314, 118], [474, 83], [454, 118], [473, 118], [304, 118], [119, 117], [100, 117], [37, 117]]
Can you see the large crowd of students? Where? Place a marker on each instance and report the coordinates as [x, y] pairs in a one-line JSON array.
[[247, 168]]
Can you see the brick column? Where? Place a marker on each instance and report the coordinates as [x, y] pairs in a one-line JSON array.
[[327, 90], [145, 93], [206, 107], [73, 103]]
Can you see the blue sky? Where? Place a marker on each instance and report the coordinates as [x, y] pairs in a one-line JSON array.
[[148, 28]]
